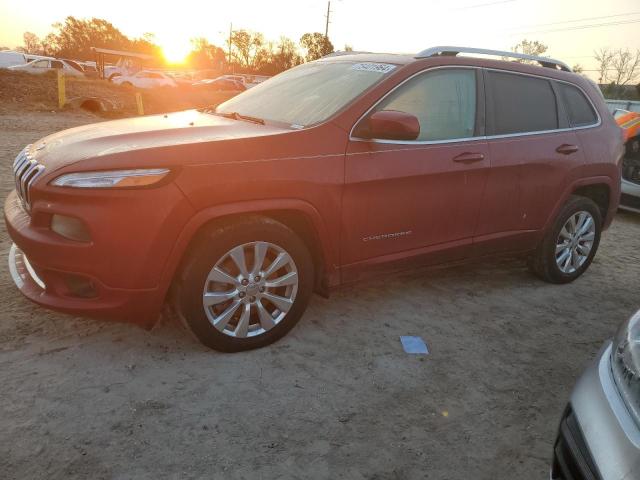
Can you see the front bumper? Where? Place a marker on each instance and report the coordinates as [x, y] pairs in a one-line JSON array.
[[118, 271], [602, 439], [630, 198], [136, 306]]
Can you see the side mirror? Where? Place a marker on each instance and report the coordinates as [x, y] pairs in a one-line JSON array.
[[393, 125]]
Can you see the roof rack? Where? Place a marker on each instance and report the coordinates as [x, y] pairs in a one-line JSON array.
[[453, 51], [340, 53]]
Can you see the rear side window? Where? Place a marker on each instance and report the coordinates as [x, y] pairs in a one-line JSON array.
[[580, 111], [522, 104], [444, 101]]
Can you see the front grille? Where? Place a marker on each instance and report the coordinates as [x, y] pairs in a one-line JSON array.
[[631, 170], [630, 201], [25, 171], [571, 457]]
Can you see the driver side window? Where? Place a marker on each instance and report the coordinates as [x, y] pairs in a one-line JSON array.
[[444, 101]]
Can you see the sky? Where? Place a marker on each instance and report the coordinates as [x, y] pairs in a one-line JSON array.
[[572, 29]]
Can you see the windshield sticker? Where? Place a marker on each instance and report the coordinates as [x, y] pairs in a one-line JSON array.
[[373, 67]]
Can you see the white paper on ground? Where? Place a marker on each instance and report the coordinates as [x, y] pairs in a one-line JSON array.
[[414, 345]]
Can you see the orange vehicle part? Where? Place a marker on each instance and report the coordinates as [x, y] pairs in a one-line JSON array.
[[630, 123]]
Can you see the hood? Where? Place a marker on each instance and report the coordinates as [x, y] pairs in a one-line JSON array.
[[138, 133]]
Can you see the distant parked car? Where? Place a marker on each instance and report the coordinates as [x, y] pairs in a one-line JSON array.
[[44, 66], [74, 64], [599, 434], [9, 58], [32, 56], [630, 198], [237, 78], [145, 79], [630, 124], [220, 85], [90, 69]]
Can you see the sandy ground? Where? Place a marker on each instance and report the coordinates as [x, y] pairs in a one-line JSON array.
[[337, 398]]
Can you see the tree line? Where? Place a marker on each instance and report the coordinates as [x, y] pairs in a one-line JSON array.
[[246, 51], [618, 70], [250, 52]]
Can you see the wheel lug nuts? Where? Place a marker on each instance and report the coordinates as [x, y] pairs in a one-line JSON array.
[[244, 282], [242, 294], [257, 279], [262, 289]]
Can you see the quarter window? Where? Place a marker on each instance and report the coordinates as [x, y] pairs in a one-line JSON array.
[[580, 111], [522, 104], [444, 101]]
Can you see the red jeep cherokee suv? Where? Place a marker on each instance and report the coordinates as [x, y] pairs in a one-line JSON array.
[[310, 179]]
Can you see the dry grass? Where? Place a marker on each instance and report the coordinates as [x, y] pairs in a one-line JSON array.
[[20, 91]]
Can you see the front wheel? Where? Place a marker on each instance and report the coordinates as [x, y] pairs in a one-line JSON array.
[[245, 284], [569, 246]]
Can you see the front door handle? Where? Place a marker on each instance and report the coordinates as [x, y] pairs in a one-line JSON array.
[[567, 149], [469, 157]]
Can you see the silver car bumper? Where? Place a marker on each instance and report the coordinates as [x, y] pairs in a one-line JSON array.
[[611, 437], [630, 199]]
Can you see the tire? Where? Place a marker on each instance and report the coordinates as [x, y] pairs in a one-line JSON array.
[[554, 269], [633, 147], [219, 247]]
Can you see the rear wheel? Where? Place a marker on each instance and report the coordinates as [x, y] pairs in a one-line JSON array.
[[569, 246], [245, 285]]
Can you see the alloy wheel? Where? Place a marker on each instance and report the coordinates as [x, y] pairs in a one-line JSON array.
[[250, 289], [575, 242]]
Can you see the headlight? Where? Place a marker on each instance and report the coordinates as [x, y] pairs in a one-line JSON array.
[[113, 178], [625, 362]]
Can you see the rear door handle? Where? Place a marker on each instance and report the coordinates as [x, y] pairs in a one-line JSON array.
[[567, 149], [469, 157]]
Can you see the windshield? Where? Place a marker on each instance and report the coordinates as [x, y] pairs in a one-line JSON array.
[[307, 94]]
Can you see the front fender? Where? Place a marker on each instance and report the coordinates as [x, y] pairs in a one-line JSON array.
[[212, 213]]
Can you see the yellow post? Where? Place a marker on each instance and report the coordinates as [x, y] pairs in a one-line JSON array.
[[139, 103], [61, 90]]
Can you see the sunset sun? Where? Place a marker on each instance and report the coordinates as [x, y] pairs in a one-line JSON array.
[[175, 50]]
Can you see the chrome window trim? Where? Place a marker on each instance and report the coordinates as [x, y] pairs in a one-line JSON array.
[[417, 142], [353, 138]]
